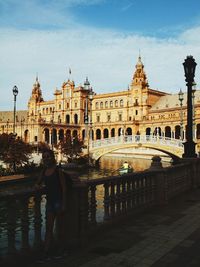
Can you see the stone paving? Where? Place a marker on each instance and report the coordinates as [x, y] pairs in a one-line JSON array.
[[160, 237]]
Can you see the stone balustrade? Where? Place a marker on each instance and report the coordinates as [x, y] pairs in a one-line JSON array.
[[91, 204]]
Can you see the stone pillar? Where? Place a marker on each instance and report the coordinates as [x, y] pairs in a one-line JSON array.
[[76, 214], [156, 163]]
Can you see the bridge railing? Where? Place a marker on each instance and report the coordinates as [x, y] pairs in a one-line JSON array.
[[109, 200], [129, 139], [90, 204]]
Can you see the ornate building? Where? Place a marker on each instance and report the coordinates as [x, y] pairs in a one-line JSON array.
[[73, 110]]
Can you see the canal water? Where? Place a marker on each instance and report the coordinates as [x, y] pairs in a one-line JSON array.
[[108, 166]]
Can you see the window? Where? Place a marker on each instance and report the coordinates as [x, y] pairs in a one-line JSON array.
[[121, 103], [101, 105], [106, 104], [120, 116], [136, 112], [111, 104], [116, 103], [98, 118], [108, 117], [97, 105]]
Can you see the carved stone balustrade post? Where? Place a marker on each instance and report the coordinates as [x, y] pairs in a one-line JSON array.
[[76, 218], [106, 201], [24, 224], [11, 226], [93, 205]]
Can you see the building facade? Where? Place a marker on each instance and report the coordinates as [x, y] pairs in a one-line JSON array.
[[76, 111]]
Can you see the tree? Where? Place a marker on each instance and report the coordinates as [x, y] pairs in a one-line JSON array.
[[14, 151], [71, 148]]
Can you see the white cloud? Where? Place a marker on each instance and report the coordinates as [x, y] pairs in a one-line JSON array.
[[108, 58]]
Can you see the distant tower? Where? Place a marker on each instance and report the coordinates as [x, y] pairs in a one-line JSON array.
[[36, 92], [139, 76]]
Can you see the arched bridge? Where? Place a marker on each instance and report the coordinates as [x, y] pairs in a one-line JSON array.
[[172, 147]]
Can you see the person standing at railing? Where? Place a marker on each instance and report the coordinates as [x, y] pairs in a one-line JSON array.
[[54, 181]]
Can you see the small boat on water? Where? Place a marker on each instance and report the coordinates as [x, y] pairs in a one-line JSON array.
[[123, 170]]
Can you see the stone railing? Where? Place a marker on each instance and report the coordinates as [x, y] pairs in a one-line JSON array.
[[90, 204], [21, 212]]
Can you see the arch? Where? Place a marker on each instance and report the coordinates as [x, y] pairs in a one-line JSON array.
[[61, 135], [120, 131], [46, 135], [177, 132], [129, 131], [54, 136], [75, 118], [111, 149], [198, 131], [105, 133], [148, 131], [98, 134], [67, 118], [168, 131], [113, 132], [157, 131]]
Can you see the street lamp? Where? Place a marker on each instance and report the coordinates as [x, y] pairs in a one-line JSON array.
[[87, 118], [193, 110], [15, 93], [52, 132], [180, 97], [91, 93], [189, 68]]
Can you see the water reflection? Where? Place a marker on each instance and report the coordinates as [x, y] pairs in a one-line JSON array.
[[110, 166]]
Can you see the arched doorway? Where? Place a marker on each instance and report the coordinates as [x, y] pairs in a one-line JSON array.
[[168, 131], [76, 119], [61, 135], [198, 131], [113, 132], [98, 134], [105, 133], [46, 135], [177, 132], [67, 119], [129, 131]]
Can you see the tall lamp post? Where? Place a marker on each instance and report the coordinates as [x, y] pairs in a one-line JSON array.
[[189, 68], [15, 93], [193, 109], [180, 97], [52, 133], [87, 118], [91, 93]]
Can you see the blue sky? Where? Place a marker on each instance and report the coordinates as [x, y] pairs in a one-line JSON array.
[[100, 39]]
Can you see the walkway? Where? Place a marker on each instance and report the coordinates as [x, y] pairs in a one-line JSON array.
[[161, 237]]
